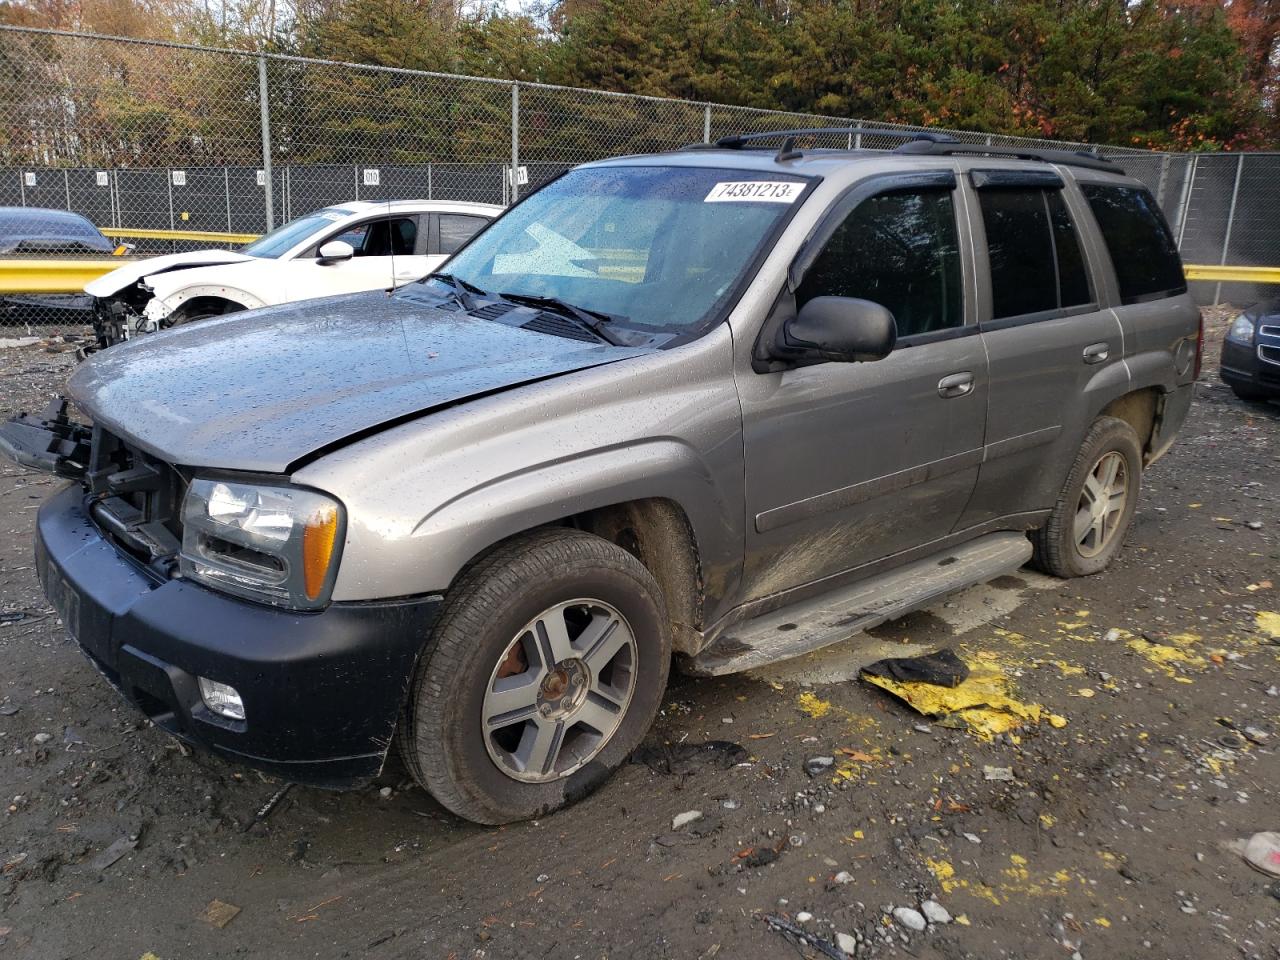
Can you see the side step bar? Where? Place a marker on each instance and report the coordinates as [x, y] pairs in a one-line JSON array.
[[840, 614]]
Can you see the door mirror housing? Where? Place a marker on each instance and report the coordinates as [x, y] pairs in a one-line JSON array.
[[336, 251], [840, 329]]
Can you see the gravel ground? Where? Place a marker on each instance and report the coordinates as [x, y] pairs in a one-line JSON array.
[[1102, 836]]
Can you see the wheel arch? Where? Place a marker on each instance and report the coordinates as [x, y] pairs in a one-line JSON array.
[[656, 499], [656, 531], [181, 301]]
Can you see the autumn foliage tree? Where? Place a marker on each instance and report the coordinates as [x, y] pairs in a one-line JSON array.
[[1177, 74]]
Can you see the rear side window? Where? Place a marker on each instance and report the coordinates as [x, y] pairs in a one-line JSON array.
[[1034, 252], [898, 250], [1141, 245], [456, 229]]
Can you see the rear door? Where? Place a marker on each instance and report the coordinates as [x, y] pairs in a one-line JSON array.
[[1052, 347], [1159, 319], [851, 462]]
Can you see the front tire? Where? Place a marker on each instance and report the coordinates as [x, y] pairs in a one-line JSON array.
[[543, 673], [1089, 522]]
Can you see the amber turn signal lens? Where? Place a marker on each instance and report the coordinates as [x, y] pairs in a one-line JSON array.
[[317, 550]]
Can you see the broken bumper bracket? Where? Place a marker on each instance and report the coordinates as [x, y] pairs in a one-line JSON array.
[[50, 442]]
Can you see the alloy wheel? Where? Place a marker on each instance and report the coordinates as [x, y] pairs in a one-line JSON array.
[[559, 691], [1102, 502]]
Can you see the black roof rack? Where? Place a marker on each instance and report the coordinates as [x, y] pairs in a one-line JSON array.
[[788, 151], [1074, 158], [739, 140], [918, 142]]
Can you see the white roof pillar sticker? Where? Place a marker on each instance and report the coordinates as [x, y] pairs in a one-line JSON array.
[[755, 191]]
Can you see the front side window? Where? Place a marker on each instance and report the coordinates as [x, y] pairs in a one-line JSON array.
[[660, 248], [898, 250], [389, 238], [1033, 251], [1141, 245]]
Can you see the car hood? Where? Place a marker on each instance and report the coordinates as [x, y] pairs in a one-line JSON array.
[[131, 273], [264, 389]]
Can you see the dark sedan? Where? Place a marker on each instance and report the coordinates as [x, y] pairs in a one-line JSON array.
[[38, 232], [1251, 353]]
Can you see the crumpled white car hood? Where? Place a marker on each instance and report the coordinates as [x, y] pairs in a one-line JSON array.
[[130, 273]]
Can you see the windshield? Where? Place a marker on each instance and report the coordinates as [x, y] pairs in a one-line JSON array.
[[654, 247], [288, 236]]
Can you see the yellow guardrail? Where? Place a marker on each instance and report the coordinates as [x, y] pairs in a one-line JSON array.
[[52, 276], [70, 276], [1245, 274], [200, 236]]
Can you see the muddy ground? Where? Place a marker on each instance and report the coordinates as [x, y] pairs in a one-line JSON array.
[[1109, 840]]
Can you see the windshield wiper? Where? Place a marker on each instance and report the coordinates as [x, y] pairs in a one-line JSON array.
[[593, 320], [462, 291]]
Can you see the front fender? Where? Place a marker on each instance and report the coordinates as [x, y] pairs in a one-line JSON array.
[[424, 498], [663, 468]]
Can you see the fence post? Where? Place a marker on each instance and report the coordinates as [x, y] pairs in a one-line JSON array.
[[515, 142], [1231, 219], [1164, 179], [266, 144], [22, 186], [429, 184], [226, 192], [706, 123], [1186, 199]]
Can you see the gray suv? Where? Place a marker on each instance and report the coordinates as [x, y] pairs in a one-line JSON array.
[[716, 407]]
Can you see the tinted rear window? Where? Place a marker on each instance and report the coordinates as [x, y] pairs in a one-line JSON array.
[[1020, 251], [1142, 248]]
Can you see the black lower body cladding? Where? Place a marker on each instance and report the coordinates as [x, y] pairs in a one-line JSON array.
[[322, 691]]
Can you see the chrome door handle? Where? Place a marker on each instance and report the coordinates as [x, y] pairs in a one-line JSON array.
[[1097, 352], [956, 385]]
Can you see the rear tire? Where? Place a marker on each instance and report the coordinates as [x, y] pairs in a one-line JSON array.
[[494, 748], [1089, 522]]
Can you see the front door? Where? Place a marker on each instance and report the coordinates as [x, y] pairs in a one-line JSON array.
[[851, 462], [383, 247]]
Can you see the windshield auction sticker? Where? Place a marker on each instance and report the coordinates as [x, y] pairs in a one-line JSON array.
[[755, 191]]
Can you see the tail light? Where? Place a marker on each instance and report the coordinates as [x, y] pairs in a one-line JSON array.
[[1195, 375]]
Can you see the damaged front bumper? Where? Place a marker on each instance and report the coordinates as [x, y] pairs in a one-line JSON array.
[[321, 690]]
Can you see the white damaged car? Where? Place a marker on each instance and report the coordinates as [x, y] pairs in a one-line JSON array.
[[345, 248]]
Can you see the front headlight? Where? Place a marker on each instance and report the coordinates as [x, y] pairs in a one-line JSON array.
[[279, 545], [1242, 330]]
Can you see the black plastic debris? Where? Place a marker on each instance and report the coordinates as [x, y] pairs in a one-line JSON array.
[[942, 668]]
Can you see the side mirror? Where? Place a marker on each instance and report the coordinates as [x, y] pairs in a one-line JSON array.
[[843, 329], [335, 251]]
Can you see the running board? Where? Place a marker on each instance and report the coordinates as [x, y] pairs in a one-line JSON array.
[[839, 615]]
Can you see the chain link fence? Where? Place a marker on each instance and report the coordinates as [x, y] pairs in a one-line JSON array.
[[147, 136]]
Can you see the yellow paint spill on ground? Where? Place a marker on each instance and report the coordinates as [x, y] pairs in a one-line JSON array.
[[1176, 651], [814, 705], [942, 870], [984, 702], [1269, 623]]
